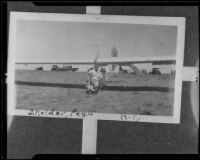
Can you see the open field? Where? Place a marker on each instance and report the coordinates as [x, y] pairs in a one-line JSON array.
[[67, 99]]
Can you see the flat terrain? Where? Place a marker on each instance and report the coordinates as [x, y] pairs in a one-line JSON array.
[[66, 99]]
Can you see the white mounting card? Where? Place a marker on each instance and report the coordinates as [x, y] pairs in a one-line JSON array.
[[50, 55]]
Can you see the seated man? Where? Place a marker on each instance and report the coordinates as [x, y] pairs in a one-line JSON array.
[[95, 76]]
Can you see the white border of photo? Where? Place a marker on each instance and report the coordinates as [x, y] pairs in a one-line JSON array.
[[170, 21]]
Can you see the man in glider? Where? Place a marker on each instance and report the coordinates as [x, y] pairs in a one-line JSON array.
[[95, 79]]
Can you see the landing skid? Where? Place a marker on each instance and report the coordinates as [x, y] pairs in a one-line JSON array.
[[92, 90]]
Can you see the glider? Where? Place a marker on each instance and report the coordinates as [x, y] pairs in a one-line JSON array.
[[113, 61]]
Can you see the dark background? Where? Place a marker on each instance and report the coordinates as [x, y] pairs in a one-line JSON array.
[[28, 136]]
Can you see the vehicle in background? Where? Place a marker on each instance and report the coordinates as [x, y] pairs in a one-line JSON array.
[[64, 68], [155, 71], [173, 72], [39, 69]]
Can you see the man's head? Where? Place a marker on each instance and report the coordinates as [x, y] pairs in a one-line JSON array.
[[103, 70]]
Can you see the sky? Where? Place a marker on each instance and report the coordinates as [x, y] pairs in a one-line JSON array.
[[71, 40]]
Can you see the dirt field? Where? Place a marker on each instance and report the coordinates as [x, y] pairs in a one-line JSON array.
[[67, 99]]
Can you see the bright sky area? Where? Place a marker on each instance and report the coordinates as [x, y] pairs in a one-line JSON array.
[[71, 40]]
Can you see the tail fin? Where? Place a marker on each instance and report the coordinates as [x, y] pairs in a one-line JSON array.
[[95, 62]]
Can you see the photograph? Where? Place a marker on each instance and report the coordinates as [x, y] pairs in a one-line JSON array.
[[110, 67]]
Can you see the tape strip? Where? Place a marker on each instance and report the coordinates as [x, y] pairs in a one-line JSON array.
[[93, 10], [89, 136], [89, 133], [190, 74]]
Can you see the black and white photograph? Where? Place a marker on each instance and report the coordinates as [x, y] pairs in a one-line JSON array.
[[100, 80], [112, 67]]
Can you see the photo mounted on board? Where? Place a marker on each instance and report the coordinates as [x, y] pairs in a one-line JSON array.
[[114, 68]]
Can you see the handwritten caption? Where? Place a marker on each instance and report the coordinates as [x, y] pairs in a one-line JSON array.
[[53, 113], [130, 117], [75, 114]]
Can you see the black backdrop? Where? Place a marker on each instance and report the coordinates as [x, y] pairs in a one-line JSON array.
[[28, 136]]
